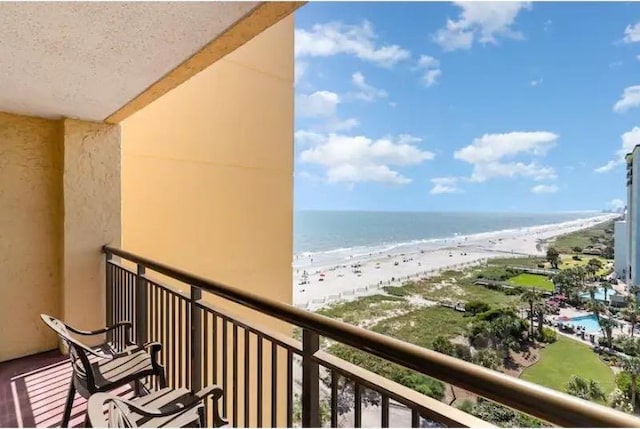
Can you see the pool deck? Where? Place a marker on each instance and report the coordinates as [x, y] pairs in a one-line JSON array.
[[571, 313]]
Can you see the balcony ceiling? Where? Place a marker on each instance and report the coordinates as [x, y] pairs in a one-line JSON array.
[[87, 60]]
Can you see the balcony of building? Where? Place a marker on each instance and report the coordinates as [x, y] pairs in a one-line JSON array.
[[167, 129], [269, 378]]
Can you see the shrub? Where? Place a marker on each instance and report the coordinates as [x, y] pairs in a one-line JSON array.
[[442, 345], [576, 258], [549, 336], [462, 351], [495, 313], [577, 249], [475, 307], [623, 382], [496, 273], [396, 290], [487, 358], [421, 383]]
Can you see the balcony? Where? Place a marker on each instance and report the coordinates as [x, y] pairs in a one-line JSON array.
[[269, 378]]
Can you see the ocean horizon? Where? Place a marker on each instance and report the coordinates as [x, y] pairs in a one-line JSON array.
[[318, 231]]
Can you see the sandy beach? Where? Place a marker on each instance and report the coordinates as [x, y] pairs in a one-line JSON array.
[[320, 279]]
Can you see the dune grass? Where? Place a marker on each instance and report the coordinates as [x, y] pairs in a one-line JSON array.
[[565, 358], [532, 280], [422, 326]]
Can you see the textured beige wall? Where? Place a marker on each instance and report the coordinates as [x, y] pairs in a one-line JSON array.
[[91, 194], [207, 173], [30, 220]]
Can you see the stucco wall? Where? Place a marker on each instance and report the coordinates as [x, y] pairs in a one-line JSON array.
[[91, 194], [30, 220], [207, 173]]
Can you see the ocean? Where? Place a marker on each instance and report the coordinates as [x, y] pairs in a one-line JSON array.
[[353, 232]]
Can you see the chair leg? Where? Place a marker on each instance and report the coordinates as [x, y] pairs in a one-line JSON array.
[[68, 405], [201, 421], [163, 379], [138, 387], [87, 421]]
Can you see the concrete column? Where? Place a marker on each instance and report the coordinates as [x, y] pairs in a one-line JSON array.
[[91, 207]]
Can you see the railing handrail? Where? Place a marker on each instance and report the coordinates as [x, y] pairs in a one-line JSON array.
[[547, 404]]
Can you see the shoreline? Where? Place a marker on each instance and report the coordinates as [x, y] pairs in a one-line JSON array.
[[347, 276]]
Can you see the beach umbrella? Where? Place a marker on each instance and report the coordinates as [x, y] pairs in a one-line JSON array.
[[564, 318]]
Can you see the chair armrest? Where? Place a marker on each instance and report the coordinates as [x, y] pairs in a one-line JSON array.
[[129, 326], [217, 393], [154, 412]]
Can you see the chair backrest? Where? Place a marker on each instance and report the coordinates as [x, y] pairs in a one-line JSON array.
[[77, 350], [118, 413]]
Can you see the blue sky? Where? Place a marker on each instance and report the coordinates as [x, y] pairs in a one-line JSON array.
[[465, 106]]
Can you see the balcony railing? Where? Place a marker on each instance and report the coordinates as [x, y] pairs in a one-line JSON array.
[[258, 368]]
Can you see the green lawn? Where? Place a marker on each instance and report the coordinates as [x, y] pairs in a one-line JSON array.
[[532, 280], [564, 358], [566, 261]]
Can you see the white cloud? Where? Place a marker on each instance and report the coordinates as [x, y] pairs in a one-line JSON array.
[[488, 155], [366, 92], [615, 65], [544, 189], [431, 69], [308, 138], [608, 166], [393, 104], [335, 38], [481, 21], [492, 147], [616, 204], [336, 124], [444, 185], [630, 139], [353, 159], [300, 67], [632, 34], [536, 82], [630, 98], [638, 57], [318, 104]]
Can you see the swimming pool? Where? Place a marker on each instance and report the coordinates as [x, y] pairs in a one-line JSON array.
[[589, 322], [599, 295]]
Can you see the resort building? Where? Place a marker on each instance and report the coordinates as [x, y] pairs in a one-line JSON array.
[[146, 176], [632, 216], [621, 245]]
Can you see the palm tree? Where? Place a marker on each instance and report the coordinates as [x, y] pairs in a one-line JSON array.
[[630, 314], [531, 297], [607, 325], [585, 389], [632, 366], [540, 310], [596, 307], [592, 289]]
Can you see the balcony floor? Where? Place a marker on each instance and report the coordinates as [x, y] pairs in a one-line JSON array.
[[33, 391]]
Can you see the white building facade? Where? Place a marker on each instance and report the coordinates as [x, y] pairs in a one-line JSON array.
[[633, 216], [621, 245]]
